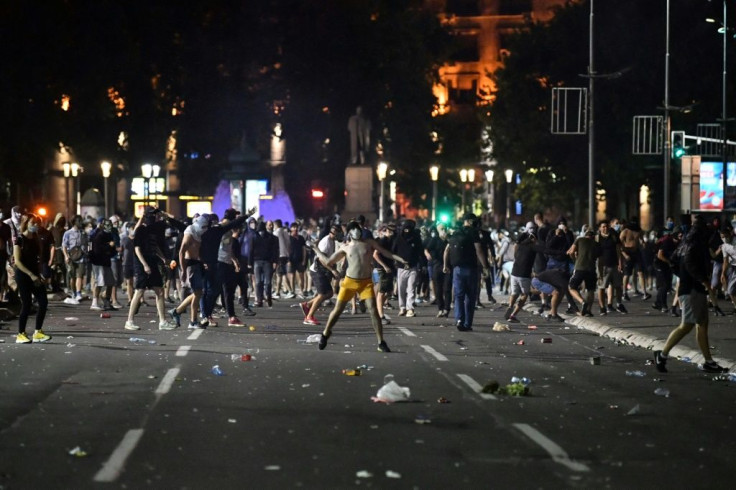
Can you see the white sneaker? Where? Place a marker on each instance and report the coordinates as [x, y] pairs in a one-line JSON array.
[[289, 296], [95, 307], [71, 301], [409, 313], [78, 297], [131, 326], [165, 325]]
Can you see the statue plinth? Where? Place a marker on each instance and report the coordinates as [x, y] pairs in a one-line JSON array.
[[359, 192]]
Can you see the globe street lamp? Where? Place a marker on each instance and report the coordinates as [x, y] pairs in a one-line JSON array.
[[106, 166], [67, 175], [509, 177], [146, 170], [76, 169], [434, 173], [381, 171], [463, 180]]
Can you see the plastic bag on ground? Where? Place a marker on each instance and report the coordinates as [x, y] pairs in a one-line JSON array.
[[391, 393], [500, 327]]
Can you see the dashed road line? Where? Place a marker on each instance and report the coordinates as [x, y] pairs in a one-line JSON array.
[[195, 335], [112, 468], [167, 381], [434, 353], [406, 332], [558, 454], [183, 350], [473, 384]]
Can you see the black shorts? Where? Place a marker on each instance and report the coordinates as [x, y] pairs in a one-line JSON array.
[[128, 271], [632, 261], [385, 281], [322, 282], [147, 281], [296, 266], [281, 266], [583, 277]]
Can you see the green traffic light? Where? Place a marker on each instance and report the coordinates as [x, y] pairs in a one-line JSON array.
[[444, 218], [679, 152]]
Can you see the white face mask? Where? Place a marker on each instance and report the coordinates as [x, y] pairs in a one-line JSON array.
[[355, 234]]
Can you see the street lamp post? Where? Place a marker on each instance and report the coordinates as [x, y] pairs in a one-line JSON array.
[[463, 181], [434, 173], [76, 169], [146, 170], [381, 171], [509, 177], [67, 174], [489, 180], [724, 121], [155, 170], [106, 166]]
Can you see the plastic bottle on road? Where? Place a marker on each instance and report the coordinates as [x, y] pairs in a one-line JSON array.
[[137, 340], [662, 392], [636, 374], [217, 371]]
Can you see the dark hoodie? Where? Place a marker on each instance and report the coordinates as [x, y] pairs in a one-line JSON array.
[[695, 263], [265, 246]]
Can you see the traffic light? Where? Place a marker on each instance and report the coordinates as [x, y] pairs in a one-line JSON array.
[[679, 149], [444, 217]]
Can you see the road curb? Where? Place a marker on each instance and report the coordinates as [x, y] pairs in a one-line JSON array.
[[638, 339]]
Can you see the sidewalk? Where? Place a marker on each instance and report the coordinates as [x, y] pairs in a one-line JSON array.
[[648, 328]]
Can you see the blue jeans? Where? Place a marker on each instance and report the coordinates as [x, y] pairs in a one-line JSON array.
[[212, 289], [263, 271], [465, 284]]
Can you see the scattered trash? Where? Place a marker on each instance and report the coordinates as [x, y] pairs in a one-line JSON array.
[[70, 336], [613, 407], [388, 378], [364, 474], [365, 367], [272, 467], [524, 381], [422, 420], [662, 392], [392, 474], [241, 357], [595, 361], [546, 340], [513, 389], [649, 362], [501, 327], [491, 387], [104, 315], [636, 374], [305, 385], [252, 328], [312, 339], [634, 411], [532, 327], [152, 376], [71, 319], [70, 345], [686, 359], [217, 371], [232, 421], [351, 372], [78, 452], [442, 399], [391, 392], [520, 342], [137, 340]]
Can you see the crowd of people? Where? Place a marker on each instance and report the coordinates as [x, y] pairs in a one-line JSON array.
[[204, 267]]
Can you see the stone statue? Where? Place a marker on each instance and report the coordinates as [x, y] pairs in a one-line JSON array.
[[360, 137]]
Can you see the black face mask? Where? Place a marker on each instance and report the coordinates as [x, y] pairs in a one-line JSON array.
[[149, 220]]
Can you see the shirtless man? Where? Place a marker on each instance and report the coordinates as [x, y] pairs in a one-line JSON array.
[[192, 272], [358, 253], [631, 251]]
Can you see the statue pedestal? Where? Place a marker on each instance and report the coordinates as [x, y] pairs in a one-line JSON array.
[[359, 192]]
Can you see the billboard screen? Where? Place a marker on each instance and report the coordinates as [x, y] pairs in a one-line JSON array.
[[711, 186]]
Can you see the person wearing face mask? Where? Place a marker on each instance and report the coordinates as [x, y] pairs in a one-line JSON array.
[[263, 259], [383, 271], [103, 248], [128, 252], [228, 268], [149, 260], [74, 245], [115, 261], [192, 272], [321, 275], [244, 277], [434, 248], [408, 246], [358, 253], [27, 254]]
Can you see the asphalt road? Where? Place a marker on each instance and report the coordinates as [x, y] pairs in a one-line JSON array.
[[153, 415]]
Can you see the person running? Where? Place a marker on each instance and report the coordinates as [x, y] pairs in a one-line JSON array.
[[383, 271], [694, 267], [584, 251], [192, 272], [358, 253], [527, 250], [321, 275], [27, 257], [228, 267], [554, 283], [149, 234]]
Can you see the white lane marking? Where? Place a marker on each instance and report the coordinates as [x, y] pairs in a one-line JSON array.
[[558, 454], [473, 384], [407, 332], [195, 335], [183, 350], [112, 468], [168, 380], [434, 353]]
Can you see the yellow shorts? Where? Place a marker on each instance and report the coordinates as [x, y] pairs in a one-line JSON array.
[[349, 287]]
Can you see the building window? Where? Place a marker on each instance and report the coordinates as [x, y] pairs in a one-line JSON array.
[[463, 7]]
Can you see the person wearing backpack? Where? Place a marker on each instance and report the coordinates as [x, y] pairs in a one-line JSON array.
[[694, 267], [462, 255]]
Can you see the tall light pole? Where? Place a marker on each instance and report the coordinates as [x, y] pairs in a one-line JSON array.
[[67, 175], [434, 173], [76, 169], [106, 166], [489, 180], [591, 125], [381, 170], [667, 120], [464, 182], [155, 170], [509, 174], [724, 121], [146, 171]]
